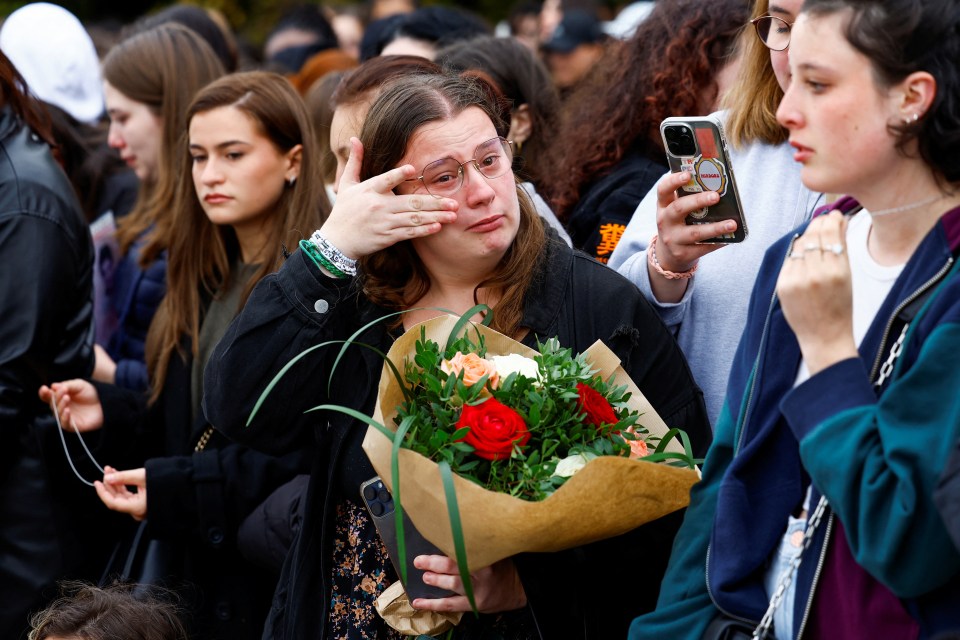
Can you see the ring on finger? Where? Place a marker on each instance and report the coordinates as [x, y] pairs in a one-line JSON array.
[[836, 249], [796, 255], [415, 219], [812, 247]]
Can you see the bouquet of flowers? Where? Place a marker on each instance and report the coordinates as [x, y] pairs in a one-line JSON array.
[[501, 449]]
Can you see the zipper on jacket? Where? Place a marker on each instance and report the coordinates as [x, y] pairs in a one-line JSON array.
[[816, 575], [893, 316], [714, 600], [740, 426], [756, 365]]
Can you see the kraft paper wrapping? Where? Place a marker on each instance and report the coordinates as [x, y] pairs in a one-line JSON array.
[[393, 605], [607, 497]]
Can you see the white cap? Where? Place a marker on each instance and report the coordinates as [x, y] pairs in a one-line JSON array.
[[629, 18], [55, 55]]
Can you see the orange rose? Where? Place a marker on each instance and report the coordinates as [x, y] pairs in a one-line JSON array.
[[474, 367], [638, 447]]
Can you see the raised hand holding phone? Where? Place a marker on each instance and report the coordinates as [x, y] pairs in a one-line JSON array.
[[697, 148]]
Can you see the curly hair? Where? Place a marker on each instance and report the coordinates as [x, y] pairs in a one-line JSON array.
[[667, 68], [900, 37], [116, 612]]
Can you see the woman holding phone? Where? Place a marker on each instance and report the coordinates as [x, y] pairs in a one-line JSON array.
[[701, 290], [815, 517]]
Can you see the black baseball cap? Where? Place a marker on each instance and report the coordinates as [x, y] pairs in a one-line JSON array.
[[577, 27]]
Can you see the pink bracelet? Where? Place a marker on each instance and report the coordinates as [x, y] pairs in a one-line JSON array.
[[655, 264]]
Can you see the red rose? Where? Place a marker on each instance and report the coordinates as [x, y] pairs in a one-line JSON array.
[[494, 429], [595, 406]]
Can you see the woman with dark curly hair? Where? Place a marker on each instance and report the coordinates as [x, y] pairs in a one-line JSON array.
[[677, 63]]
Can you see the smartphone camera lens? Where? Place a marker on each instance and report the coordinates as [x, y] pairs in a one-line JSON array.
[[680, 141]]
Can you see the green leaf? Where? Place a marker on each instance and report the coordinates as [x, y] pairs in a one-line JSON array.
[[465, 319], [456, 530], [397, 504]]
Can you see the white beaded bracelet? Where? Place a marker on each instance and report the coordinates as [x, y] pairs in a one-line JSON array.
[[334, 255]]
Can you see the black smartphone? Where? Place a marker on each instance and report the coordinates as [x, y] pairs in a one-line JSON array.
[[697, 145], [379, 503]]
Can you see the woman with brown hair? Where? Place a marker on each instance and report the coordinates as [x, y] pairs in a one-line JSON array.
[[149, 80], [679, 62], [532, 105], [255, 187], [707, 309], [445, 225]]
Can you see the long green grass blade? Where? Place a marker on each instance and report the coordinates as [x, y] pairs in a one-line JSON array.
[[353, 413], [397, 505], [281, 373], [465, 319], [456, 528]]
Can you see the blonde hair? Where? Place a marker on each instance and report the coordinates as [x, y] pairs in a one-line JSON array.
[[753, 99]]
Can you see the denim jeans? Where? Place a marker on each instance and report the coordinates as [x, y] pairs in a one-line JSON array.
[[790, 547]]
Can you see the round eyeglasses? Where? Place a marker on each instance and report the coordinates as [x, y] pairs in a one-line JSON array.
[[443, 178], [773, 32]]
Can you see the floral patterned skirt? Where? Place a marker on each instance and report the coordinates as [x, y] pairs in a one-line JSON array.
[[362, 571]]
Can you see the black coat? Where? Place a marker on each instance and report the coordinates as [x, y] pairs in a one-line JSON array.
[[601, 216], [197, 500], [46, 334], [572, 297]]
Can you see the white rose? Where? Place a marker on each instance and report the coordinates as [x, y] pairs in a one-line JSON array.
[[515, 363], [571, 464]]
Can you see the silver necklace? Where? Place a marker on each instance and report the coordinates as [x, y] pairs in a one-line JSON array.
[[908, 207]]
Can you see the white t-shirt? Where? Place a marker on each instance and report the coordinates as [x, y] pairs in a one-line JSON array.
[[871, 282]]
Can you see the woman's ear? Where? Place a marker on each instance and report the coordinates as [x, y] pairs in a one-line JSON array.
[[918, 91], [521, 125], [293, 157]]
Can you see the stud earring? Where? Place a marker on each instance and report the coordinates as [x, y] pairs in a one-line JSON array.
[[911, 119], [291, 181]]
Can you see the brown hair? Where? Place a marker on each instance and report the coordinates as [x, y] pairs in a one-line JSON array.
[[200, 252], [320, 105], [366, 81], [665, 69], [519, 74], [755, 95], [116, 612], [15, 94], [163, 68], [320, 65], [394, 277]]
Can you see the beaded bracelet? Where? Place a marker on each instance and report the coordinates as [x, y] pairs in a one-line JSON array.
[[319, 260], [345, 265], [655, 264]]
